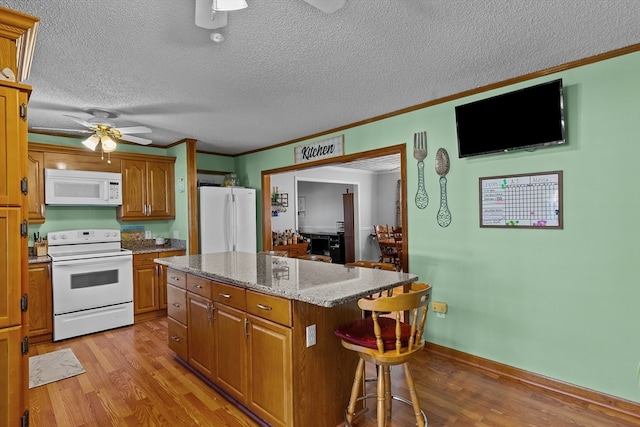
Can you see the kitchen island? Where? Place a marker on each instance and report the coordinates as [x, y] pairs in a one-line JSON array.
[[260, 329]]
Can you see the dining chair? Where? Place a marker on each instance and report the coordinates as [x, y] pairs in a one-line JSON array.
[[396, 235], [372, 264], [386, 341], [386, 243], [314, 257]]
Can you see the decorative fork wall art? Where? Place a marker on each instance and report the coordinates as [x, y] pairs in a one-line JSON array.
[[420, 153]]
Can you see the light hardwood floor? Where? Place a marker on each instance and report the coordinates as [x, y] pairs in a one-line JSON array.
[[132, 379]]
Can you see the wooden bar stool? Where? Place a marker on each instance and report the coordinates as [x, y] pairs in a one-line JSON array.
[[387, 341]]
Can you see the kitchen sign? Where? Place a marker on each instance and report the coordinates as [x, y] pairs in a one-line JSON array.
[[333, 147]]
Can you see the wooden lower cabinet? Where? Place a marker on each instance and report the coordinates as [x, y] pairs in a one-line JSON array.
[[200, 334], [149, 289], [231, 350], [40, 303], [14, 371], [270, 366], [253, 347]]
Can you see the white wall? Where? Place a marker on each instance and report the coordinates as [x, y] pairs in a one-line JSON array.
[[374, 195]]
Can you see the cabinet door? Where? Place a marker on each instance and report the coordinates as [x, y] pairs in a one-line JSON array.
[[134, 186], [11, 161], [160, 190], [40, 295], [162, 281], [36, 187], [10, 266], [201, 334], [14, 368], [145, 283], [270, 392], [231, 350]]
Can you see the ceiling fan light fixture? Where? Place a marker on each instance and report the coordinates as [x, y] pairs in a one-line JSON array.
[[92, 142], [108, 144], [228, 5]]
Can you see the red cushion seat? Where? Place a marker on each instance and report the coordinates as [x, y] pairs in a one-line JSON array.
[[361, 333]]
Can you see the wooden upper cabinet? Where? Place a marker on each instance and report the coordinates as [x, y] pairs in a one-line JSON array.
[[11, 153], [36, 187], [160, 190], [148, 190]]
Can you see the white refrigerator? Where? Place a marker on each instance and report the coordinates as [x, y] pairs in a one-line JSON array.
[[227, 219]]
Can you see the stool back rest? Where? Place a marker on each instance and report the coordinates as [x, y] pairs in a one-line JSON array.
[[416, 301]]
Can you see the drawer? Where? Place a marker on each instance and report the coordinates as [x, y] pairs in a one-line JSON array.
[[199, 285], [270, 307], [178, 339], [177, 303], [230, 295], [143, 259], [177, 278]]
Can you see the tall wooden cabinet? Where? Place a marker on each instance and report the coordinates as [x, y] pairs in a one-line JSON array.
[[14, 358], [148, 190]]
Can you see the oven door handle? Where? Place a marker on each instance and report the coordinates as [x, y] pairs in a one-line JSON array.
[[107, 260]]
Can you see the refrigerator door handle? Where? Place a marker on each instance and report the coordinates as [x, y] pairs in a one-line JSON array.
[[229, 222], [235, 221]]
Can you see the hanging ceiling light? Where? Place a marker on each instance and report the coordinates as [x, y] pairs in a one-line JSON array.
[[108, 144], [92, 142], [212, 14], [228, 5]]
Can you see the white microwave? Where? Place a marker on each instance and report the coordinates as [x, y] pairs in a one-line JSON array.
[[82, 188]]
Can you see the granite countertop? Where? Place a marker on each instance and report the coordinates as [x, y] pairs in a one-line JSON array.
[[149, 245], [135, 246], [319, 283], [36, 259]]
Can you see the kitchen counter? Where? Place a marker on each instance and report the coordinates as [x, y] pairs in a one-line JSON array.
[[36, 259], [318, 283], [149, 245]]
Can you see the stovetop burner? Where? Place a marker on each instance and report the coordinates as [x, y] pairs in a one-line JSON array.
[[83, 244]]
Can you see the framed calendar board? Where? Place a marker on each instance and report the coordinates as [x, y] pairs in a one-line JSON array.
[[522, 201]]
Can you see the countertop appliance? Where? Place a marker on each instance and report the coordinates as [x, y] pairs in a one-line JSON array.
[[92, 280], [82, 188], [227, 219]]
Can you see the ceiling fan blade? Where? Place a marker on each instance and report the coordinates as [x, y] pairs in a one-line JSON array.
[[133, 129], [327, 6], [62, 130], [135, 139], [83, 122]]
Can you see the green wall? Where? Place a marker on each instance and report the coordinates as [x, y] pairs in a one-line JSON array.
[[79, 217], [561, 303]]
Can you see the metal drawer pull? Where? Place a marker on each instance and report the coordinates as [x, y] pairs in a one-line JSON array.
[[263, 307], [175, 338], [225, 295], [175, 278], [175, 304], [198, 286]]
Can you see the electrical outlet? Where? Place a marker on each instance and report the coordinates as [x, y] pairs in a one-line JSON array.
[[176, 234], [439, 307], [311, 335]]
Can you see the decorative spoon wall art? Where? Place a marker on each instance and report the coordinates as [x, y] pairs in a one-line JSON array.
[[442, 168], [420, 153]]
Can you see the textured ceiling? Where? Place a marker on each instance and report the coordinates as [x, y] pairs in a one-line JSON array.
[[287, 70]]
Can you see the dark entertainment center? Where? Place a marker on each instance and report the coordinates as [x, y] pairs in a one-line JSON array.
[[327, 244]]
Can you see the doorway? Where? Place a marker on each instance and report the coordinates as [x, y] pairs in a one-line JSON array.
[[362, 160]]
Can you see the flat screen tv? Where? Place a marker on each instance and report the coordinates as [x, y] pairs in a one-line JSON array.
[[526, 118]]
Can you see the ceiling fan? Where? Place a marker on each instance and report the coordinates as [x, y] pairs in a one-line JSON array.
[[327, 6], [103, 130]]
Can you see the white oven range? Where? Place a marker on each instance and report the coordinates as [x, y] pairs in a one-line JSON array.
[[92, 281]]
